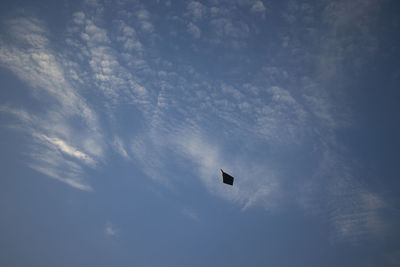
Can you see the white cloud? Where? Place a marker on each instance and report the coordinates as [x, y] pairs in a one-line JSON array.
[[335, 193], [280, 95], [144, 18], [191, 214], [147, 26], [283, 120], [149, 155], [258, 7], [120, 147], [255, 185], [194, 30], [196, 10], [79, 18], [228, 27], [95, 34], [319, 103], [356, 215], [48, 155], [30, 31], [55, 143], [128, 38], [143, 14], [39, 67], [69, 150], [116, 81], [20, 114], [349, 39], [73, 182], [228, 89], [110, 229]]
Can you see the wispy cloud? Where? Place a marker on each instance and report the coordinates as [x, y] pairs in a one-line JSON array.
[[194, 30], [258, 8], [191, 214], [56, 150], [230, 28], [340, 48], [129, 38], [73, 182], [120, 148], [355, 214], [144, 17], [335, 193], [110, 229], [35, 63], [117, 83], [257, 185], [196, 10], [67, 149], [79, 18], [352, 208], [52, 156]]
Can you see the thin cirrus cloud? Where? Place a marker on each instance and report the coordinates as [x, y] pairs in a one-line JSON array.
[[196, 10], [33, 62], [52, 156], [194, 30], [69, 150], [120, 148], [31, 59], [191, 214], [352, 209], [258, 8], [110, 229]]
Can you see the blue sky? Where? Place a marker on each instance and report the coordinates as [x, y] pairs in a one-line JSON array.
[[116, 117]]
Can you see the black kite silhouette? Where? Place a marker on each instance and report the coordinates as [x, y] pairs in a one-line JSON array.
[[226, 178]]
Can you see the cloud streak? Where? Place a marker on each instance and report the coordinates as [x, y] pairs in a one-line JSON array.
[[69, 150], [55, 147]]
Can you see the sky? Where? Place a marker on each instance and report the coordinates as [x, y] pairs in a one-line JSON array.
[[117, 116]]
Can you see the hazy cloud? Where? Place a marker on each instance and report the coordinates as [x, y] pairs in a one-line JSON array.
[[120, 148], [194, 30], [110, 229], [37, 65], [196, 10], [191, 214], [258, 7], [69, 150]]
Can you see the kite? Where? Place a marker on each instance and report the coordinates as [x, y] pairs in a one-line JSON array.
[[226, 178]]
